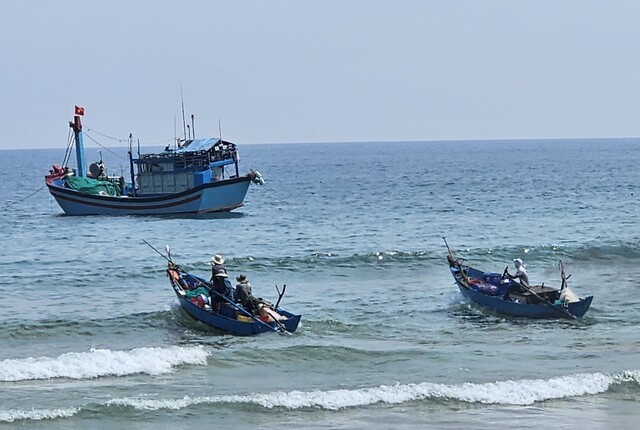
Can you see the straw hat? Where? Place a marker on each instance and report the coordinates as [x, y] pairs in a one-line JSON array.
[[222, 274], [217, 259]]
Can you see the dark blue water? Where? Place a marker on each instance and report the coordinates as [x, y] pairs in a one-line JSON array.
[[91, 335]]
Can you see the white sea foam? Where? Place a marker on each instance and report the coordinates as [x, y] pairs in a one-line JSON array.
[[101, 362], [521, 392], [12, 415]]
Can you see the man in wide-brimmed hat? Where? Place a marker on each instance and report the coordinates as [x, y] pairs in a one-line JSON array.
[[221, 284], [243, 293], [217, 266]]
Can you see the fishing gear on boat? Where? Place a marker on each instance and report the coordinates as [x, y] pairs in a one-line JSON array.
[[280, 294]]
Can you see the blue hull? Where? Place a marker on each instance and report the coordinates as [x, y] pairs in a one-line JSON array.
[[219, 196], [499, 304], [231, 325]]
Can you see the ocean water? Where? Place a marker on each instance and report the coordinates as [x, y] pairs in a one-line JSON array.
[[91, 335]]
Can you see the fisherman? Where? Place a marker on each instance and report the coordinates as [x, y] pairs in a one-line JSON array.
[[217, 266], [243, 293], [521, 273]]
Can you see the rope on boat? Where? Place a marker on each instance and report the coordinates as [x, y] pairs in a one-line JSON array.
[[67, 152], [105, 148], [171, 139], [25, 198]]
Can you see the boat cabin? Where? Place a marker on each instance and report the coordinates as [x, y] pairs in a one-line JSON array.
[[195, 162]]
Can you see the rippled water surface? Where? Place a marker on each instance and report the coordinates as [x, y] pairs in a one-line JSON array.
[[91, 335]]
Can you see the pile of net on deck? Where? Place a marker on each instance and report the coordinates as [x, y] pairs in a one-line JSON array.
[[92, 186]]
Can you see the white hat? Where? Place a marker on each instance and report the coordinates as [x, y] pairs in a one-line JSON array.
[[222, 274], [517, 262], [217, 259]]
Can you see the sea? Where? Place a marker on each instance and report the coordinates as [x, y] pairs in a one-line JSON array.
[[92, 336]]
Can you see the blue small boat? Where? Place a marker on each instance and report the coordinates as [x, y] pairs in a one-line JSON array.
[[504, 295], [224, 314], [197, 176]]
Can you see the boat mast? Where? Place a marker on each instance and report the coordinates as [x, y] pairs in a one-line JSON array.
[[184, 124], [131, 170], [76, 125]]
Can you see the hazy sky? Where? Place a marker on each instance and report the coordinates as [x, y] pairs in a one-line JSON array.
[[317, 71]]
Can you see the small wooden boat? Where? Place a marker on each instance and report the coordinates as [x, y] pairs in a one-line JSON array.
[[504, 295], [195, 176], [221, 312]]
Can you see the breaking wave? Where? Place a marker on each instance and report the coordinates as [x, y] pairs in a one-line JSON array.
[[521, 392], [12, 415], [101, 362]]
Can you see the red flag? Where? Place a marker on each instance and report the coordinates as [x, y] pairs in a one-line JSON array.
[[79, 110]]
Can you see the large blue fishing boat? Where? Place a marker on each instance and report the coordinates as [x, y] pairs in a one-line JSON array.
[[502, 294], [197, 176]]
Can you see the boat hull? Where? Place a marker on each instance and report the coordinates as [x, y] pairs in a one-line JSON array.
[[499, 305], [231, 325], [219, 196]]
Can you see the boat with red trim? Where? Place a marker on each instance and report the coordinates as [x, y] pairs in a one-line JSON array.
[[196, 176]]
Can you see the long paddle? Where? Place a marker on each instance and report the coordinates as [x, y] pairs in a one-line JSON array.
[[545, 301], [160, 253]]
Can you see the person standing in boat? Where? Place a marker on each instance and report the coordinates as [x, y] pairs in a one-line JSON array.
[[521, 273], [221, 284], [217, 266]]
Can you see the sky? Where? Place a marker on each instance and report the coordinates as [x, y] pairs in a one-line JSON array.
[[319, 71]]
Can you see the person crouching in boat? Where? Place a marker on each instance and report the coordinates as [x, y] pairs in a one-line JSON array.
[[266, 313], [256, 306], [521, 273]]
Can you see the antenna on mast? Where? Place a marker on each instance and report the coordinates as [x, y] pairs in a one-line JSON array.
[[184, 124], [193, 126], [175, 132], [220, 129]]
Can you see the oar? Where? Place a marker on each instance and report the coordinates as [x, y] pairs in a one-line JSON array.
[[160, 253], [545, 301]]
